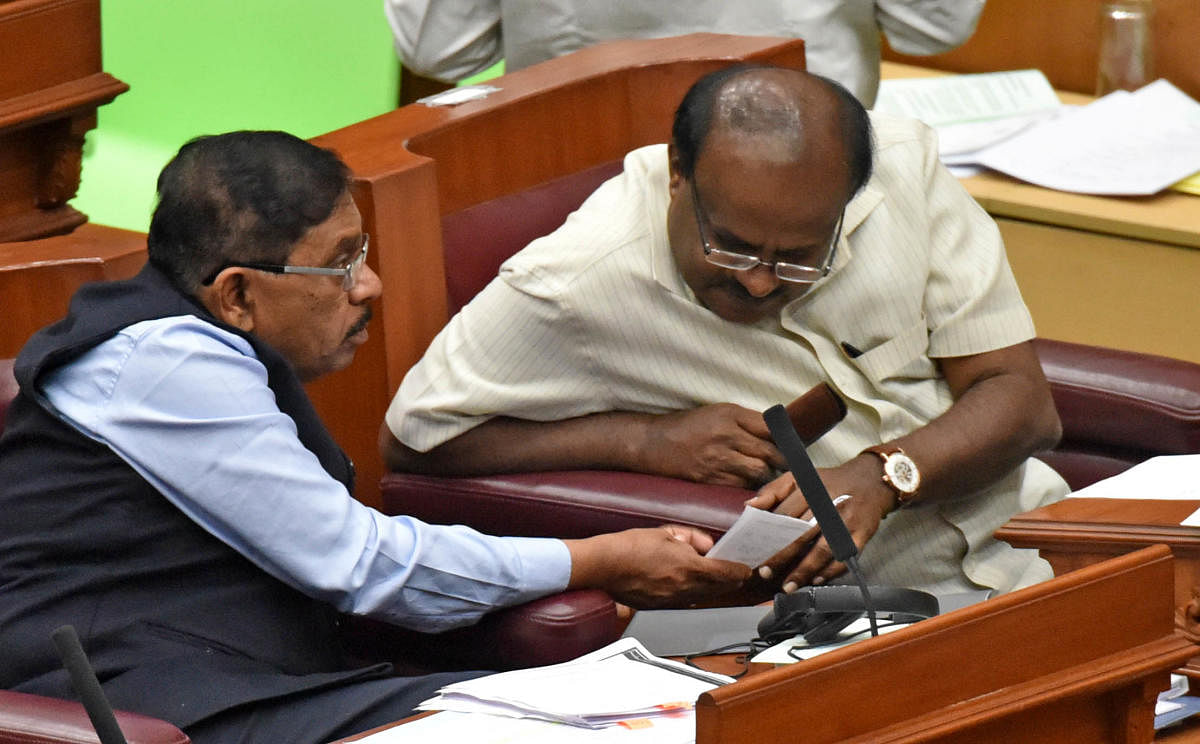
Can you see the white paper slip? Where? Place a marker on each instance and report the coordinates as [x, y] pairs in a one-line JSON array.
[[757, 535], [797, 649]]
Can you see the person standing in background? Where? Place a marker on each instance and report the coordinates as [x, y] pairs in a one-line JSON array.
[[452, 39]]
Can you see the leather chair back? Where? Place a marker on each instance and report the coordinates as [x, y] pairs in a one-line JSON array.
[[476, 240]]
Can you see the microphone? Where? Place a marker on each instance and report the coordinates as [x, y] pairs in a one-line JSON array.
[[827, 516], [87, 687]]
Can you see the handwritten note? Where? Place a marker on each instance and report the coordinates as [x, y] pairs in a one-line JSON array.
[[757, 535]]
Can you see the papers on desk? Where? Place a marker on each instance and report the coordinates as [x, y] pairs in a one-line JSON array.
[[1126, 143], [971, 112], [1168, 477], [620, 685], [452, 728]]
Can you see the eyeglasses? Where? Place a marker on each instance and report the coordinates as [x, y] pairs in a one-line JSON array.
[[349, 272], [788, 272]]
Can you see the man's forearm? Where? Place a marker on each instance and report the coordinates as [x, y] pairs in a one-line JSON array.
[[602, 441], [997, 421]]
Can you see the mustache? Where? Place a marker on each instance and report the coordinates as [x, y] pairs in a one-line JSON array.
[[361, 324]]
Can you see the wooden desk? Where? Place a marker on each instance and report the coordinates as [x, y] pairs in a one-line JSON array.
[[1079, 532], [1109, 271], [1050, 667]]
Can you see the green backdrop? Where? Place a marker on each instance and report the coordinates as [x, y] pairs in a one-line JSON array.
[[207, 66]]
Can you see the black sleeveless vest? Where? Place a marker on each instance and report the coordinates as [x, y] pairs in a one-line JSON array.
[[177, 624]]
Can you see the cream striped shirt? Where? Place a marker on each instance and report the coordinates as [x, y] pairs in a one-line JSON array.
[[596, 317]]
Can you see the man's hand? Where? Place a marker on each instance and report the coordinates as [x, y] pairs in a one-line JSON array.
[[654, 567], [870, 500], [723, 443]]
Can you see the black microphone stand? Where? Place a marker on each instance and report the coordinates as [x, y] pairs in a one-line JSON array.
[[809, 481]]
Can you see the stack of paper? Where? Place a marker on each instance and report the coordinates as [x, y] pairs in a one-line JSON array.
[[618, 684], [1125, 143], [971, 112]]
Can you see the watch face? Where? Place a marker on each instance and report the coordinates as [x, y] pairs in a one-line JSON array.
[[902, 472]]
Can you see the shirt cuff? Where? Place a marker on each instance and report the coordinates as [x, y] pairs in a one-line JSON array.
[[546, 564]]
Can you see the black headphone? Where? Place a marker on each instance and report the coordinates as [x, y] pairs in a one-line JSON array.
[[820, 612]]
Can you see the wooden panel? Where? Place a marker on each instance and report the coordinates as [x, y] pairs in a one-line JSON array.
[[37, 278], [1062, 38], [1047, 666], [49, 91], [1107, 291]]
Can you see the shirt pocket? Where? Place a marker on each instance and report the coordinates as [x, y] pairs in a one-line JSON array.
[[905, 356]]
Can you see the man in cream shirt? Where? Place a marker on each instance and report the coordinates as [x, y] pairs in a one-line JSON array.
[[784, 238]]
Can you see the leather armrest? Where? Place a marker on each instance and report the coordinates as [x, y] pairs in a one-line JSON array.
[[34, 719], [550, 630], [566, 504], [1118, 408], [1121, 399]]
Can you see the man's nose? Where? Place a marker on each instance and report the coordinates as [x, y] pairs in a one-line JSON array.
[[759, 281], [368, 287]]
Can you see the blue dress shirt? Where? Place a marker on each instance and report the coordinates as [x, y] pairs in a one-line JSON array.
[[186, 404]]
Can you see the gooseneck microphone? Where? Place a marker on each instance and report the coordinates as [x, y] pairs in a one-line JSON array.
[[87, 687], [827, 516]]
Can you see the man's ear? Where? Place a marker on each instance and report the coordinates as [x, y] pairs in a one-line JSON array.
[[228, 298], [676, 180]]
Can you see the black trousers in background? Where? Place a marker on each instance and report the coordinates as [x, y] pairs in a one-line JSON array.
[[323, 715]]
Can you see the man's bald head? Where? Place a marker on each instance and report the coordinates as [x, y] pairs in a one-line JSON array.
[[780, 113]]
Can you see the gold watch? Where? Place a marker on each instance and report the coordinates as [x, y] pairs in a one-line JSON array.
[[899, 472]]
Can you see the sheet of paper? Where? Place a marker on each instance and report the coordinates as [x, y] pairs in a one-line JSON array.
[[757, 535], [1125, 143], [458, 95], [1169, 477]]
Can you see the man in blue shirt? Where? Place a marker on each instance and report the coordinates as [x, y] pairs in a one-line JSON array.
[[169, 490]]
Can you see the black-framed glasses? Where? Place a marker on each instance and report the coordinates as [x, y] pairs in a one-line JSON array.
[[349, 272], [788, 272]]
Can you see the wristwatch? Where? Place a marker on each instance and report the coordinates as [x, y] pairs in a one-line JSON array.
[[899, 472]]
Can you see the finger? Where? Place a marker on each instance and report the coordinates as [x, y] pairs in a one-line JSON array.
[[777, 564], [761, 449], [829, 573], [817, 560], [701, 542], [749, 470], [795, 505], [772, 494]]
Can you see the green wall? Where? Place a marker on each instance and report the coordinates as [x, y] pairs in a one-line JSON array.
[[207, 66]]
